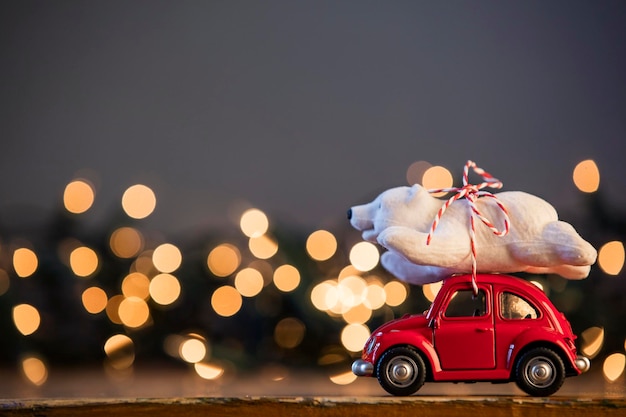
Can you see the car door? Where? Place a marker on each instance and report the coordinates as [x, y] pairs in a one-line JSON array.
[[464, 330]]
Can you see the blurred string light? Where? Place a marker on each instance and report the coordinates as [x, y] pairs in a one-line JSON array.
[[167, 258], [611, 257], [344, 378], [437, 177], [126, 242], [354, 336], [286, 278], [25, 262], [431, 290], [592, 341], [193, 350], [249, 282], [613, 366], [34, 370], [138, 201], [289, 332], [586, 176], [364, 256], [133, 312], [136, 284], [78, 196], [321, 245], [83, 261], [415, 172], [164, 289], [208, 371], [26, 319], [224, 260], [263, 247], [120, 351], [226, 301], [254, 223], [94, 300]]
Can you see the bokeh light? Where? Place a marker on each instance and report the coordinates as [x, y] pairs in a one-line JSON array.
[[613, 366], [78, 196], [254, 223], [226, 301], [611, 257], [364, 256], [5, 281], [83, 261], [136, 284], [34, 370], [112, 308], [208, 371], [138, 201], [286, 278], [396, 293], [324, 295], [224, 260], [375, 295], [249, 282], [167, 258], [321, 245], [592, 341], [126, 242], [133, 312], [164, 289], [586, 176], [120, 351], [358, 314], [26, 319], [354, 336], [94, 300], [289, 333], [25, 262], [193, 350], [437, 177], [431, 290], [415, 172], [263, 247], [344, 378]]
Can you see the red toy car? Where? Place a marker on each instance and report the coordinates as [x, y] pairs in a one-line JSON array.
[[510, 331]]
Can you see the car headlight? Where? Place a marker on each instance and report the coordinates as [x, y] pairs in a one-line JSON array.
[[369, 345]]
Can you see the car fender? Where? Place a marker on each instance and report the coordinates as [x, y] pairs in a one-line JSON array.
[[409, 338], [536, 336]]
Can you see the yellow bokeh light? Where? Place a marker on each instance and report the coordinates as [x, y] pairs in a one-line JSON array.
[[352, 290], [78, 196], [34, 370], [324, 295], [286, 278], [289, 333], [344, 378], [133, 312], [358, 314], [254, 223], [112, 308], [24, 262], [613, 366], [375, 296], [26, 318], [136, 284], [321, 245], [226, 301], [120, 351], [437, 177], [431, 290], [348, 270], [354, 336], [611, 257], [263, 247], [138, 201], [94, 300], [415, 172], [249, 282], [208, 371], [224, 260], [126, 242], [83, 261], [164, 289], [396, 293], [364, 256], [167, 258], [192, 350], [586, 176], [592, 341]]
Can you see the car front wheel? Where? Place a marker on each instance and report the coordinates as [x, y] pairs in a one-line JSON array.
[[401, 371], [540, 372]]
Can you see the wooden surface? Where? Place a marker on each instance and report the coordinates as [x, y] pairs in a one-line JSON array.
[[314, 406]]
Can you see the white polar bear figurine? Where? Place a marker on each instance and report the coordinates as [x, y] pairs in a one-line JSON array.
[[400, 220]]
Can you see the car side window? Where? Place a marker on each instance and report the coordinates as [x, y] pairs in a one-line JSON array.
[[463, 303], [514, 307]]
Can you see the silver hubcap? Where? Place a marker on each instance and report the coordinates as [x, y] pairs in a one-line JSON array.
[[402, 371], [540, 372]]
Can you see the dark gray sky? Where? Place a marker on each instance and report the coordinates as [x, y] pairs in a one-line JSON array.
[[304, 108]]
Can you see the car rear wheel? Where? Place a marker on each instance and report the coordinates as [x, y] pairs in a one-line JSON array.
[[540, 372], [401, 371]]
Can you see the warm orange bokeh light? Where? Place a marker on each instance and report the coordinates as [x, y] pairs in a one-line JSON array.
[[138, 201], [249, 282], [165, 289], [611, 257], [120, 351], [223, 260], [254, 223], [289, 333], [263, 247], [437, 177], [24, 262], [226, 301], [26, 318], [136, 284], [586, 176], [364, 256], [94, 300], [167, 258], [35, 370], [321, 245], [126, 242], [83, 261], [396, 293], [133, 312], [354, 336], [415, 172], [78, 196], [286, 278]]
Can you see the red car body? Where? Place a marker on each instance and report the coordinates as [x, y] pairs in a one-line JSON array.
[[509, 331]]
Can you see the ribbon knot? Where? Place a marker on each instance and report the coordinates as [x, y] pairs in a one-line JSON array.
[[471, 192]]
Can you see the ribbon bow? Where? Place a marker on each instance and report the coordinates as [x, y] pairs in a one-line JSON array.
[[472, 192]]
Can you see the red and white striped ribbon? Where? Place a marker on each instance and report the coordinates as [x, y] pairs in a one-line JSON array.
[[472, 193]]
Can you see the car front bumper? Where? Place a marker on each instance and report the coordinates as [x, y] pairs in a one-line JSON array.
[[362, 368], [582, 363]]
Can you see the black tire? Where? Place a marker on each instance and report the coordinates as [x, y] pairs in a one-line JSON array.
[[401, 371], [540, 372]]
